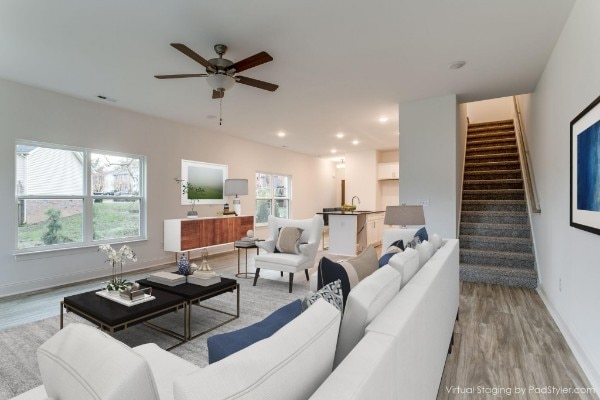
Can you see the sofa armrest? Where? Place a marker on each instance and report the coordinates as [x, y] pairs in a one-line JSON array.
[[266, 245]]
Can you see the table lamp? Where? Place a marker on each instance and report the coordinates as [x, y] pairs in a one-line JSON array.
[[236, 187], [404, 215]]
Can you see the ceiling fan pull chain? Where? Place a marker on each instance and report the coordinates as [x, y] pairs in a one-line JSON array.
[[220, 111]]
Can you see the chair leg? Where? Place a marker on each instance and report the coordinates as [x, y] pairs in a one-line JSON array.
[[306, 273], [281, 273], [291, 280], [256, 276]]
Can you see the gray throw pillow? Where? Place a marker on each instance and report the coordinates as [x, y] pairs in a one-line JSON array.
[[289, 240]]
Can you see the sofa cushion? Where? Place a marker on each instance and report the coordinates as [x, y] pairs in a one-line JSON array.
[[436, 241], [425, 250], [394, 248], [288, 240], [406, 263], [291, 364], [350, 272], [79, 361], [365, 301], [165, 367], [225, 344], [331, 293]]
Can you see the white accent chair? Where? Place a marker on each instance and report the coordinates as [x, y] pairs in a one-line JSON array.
[[291, 263]]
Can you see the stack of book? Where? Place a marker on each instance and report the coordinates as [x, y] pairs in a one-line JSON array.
[[196, 280], [167, 278]]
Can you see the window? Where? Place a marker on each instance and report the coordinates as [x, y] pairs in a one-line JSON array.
[[69, 197], [273, 195]]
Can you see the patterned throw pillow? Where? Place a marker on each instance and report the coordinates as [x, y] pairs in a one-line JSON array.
[[288, 240], [350, 272], [331, 293], [394, 248]]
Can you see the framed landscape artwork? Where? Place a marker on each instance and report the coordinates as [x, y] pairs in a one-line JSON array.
[[585, 169], [207, 179]]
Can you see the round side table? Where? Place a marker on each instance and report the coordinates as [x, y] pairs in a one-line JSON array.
[[245, 245]]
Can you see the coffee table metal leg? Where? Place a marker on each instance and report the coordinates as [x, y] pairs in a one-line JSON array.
[[62, 304]]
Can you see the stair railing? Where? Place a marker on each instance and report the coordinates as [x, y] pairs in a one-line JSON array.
[[530, 189]]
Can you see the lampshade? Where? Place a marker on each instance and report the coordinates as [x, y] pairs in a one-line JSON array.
[[404, 215], [220, 81], [235, 187]]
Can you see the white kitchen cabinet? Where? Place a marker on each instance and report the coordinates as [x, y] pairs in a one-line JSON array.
[[388, 171], [374, 228]]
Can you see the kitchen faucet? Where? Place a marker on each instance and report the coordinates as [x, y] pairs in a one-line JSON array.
[[357, 199]]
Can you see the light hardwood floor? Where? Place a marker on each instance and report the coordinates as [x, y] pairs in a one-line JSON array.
[[506, 340], [505, 337]]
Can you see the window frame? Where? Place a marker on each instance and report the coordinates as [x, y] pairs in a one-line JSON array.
[[87, 198], [273, 198]]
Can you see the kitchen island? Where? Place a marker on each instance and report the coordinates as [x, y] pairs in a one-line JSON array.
[[353, 231]]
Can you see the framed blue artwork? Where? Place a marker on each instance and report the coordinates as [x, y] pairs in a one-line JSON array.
[[585, 169]]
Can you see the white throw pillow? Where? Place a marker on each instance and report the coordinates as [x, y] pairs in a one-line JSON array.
[[364, 302], [406, 263], [425, 250], [436, 241], [82, 363]]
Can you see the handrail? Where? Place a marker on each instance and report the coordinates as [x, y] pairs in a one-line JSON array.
[[530, 189]]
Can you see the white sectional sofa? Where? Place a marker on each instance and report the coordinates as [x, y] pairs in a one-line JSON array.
[[391, 344]]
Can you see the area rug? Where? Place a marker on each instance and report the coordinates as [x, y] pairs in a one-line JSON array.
[[19, 371]]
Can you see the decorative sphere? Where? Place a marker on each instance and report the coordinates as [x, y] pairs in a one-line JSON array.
[[250, 233]]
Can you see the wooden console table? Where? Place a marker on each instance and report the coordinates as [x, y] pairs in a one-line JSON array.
[[189, 234]]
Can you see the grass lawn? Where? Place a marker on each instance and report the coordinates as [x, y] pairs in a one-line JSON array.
[[111, 220]]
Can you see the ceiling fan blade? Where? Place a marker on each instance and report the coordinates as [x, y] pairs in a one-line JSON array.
[[256, 83], [193, 55], [250, 62], [180, 76], [218, 94]]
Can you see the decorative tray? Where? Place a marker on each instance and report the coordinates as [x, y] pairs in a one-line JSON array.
[[125, 302]]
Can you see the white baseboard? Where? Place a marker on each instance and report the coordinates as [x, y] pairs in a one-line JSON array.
[[586, 364]]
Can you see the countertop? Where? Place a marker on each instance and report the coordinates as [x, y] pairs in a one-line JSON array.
[[357, 212]]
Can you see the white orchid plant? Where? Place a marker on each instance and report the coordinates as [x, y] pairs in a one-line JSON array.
[[117, 259]]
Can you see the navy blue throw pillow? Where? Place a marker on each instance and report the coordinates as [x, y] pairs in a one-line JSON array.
[[330, 271], [225, 344], [394, 248], [422, 234]]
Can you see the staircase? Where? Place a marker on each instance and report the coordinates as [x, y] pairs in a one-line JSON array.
[[495, 236]]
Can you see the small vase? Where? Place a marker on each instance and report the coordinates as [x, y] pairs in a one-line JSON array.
[[192, 214], [112, 292], [183, 266]]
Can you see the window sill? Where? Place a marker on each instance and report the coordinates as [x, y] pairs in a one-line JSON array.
[[80, 248]]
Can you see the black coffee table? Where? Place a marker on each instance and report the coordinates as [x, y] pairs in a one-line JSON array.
[[112, 316], [194, 294]]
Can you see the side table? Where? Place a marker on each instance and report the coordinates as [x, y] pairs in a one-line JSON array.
[[240, 244]]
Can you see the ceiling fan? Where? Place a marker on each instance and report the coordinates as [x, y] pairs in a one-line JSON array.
[[221, 73]]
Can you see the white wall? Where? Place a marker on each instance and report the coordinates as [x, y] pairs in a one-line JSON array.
[[361, 178], [567, 257], [490, 110], [35, 114], [428, 163]]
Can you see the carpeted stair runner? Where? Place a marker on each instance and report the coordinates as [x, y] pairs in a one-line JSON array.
[[495, 236]]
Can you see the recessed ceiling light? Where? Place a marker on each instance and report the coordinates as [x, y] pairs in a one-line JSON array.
[[355, 142], [281, 134], [383, 119], [457, 64], [339, 135], [333, 151]]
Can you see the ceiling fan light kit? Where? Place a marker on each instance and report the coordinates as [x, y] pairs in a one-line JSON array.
[[221, 72], [220, 82]]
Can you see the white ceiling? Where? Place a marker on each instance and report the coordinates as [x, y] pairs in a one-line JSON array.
[[339, 64]]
